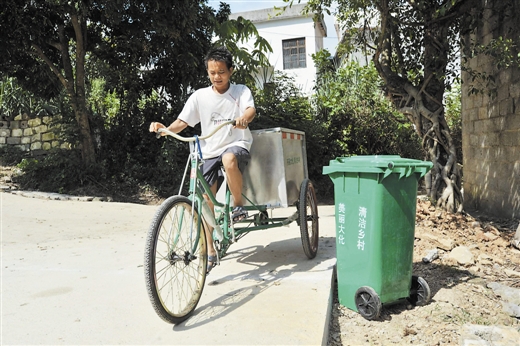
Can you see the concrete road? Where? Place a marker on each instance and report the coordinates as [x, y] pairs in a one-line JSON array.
[[72, 274]]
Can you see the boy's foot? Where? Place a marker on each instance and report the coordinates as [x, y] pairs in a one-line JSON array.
[[212, 262], [239, 213]]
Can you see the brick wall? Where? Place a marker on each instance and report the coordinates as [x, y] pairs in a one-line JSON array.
[[491, 125], [29, 134]]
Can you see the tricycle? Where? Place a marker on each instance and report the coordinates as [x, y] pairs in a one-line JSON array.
[[176, 247]]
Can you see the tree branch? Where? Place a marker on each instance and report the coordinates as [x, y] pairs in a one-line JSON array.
[[39, 53], [65, 58], [80, 54]]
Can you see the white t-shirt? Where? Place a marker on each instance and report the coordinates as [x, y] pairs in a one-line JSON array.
[[212, 109]]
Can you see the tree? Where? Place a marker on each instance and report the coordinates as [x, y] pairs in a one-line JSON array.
[[233, 33], [360, 119], [415, 45], [137, 47]]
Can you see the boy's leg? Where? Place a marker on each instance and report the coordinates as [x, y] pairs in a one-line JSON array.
[[210, 170], [234, 177], [234, 161], [209, 229], [209, 233]]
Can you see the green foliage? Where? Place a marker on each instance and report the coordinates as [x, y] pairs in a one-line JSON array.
[[232, 34], [360, 120], [15, 100], [504, 53], [11, 155], [453, 106], [453, 115], [348, 115], [104, 103], [58, 171], [130, 156], [142, 61], [136, 47]]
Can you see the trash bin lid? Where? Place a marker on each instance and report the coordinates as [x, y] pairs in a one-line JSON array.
[[386, 164]]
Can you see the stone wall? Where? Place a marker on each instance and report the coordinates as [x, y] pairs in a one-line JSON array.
[[29, 134], [491, 124]]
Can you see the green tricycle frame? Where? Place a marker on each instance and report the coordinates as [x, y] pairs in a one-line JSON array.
[[176, 250]]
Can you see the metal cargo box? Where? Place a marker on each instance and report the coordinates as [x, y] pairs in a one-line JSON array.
[[277, 168]]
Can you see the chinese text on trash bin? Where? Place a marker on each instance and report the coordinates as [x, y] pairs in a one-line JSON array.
[[341, 223], [362, 224]]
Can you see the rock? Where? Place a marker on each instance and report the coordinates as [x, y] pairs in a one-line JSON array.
[[491, 236], [492, 229], [510, 298], [501, 242], [512, 273], [507, 293], [477, 281], [462, 255], [431, 256], [448, 296], [473, 334], [475, 224], [440, 242], [511, 309]]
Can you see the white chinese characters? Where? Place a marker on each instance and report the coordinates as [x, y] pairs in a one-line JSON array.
[[362, 225]]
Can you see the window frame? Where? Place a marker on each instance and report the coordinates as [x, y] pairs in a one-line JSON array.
[[292, 60]]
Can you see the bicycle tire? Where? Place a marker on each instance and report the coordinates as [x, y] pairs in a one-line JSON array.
[[175, 270], [309, 225]]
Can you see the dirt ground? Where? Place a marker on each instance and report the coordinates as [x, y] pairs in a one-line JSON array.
[[460, 295]]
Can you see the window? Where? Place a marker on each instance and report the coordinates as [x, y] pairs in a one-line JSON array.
[[294, 54]]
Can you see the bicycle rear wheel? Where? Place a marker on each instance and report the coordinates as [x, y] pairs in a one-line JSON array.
[[175, 260], [309, 227]]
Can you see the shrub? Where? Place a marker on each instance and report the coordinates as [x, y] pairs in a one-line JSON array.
[[10, 155], [58, 171]]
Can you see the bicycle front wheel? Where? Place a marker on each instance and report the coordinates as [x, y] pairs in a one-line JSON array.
[[175, 259]]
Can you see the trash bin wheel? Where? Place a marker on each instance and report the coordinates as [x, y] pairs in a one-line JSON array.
[[368, 303], [420, 293], [308, 219]]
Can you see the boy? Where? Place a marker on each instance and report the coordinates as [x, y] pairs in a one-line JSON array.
[[220, 102]]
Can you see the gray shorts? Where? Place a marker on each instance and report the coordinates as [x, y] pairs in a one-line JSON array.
[[211, 167]]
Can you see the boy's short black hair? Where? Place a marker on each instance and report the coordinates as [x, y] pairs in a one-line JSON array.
[[219, 54]]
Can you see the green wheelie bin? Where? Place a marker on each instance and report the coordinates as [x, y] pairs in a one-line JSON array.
[[375, 204]]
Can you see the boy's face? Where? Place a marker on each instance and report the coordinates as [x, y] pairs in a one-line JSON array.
[[219, 75]]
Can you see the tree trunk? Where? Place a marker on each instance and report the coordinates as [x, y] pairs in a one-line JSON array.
[[73, 80], [88, 153], [423, 106], [87, 144]]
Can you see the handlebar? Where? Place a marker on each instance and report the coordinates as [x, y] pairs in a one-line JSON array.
[[192, 139]]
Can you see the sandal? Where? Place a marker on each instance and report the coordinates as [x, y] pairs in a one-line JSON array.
[[239, 213], [212, 262]]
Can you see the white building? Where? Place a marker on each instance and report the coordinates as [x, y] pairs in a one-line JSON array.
[[294, 37]]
